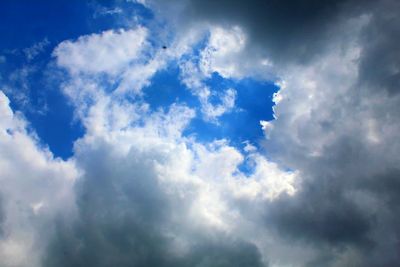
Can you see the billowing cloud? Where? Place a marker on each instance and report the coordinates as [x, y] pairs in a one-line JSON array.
[[159, 198], [132, 194], [338, 135], [108, 52], [136, 191], [36, 189]]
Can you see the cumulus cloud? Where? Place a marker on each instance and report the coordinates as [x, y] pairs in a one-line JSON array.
[[225, 54], [36, 189], [152, 211], [159, 198], [135, 194], [136, 191], [108, 52]]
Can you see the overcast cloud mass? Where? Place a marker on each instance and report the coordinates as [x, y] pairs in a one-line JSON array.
[[163, 168]]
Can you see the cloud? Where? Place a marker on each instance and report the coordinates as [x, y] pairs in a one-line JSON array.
[[103, 11], [335, 132], [35, 189], [36, 49], [135, 191], [109, 52], [379, 66], [149, 196], [277, 30], [213, 111], [93, 59], [146, 213], [213, 103], [336, 119], [226, 54]]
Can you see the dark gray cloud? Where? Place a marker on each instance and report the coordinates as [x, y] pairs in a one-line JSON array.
[[320, 215], [380, 61], [299, 30], [2, 217], [348, 200], [294, 31], [337, 123]]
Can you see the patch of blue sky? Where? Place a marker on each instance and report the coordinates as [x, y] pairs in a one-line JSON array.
[[48, 110], [166, 88], [253, 103], [27, 22], [24, 25], [57, 127]]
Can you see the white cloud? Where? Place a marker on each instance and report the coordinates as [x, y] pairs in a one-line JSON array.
[[36, 49], [142, 159], [138, 76], [212, 111], [267, 182], [194, 79], [109, 52], [143, 2], [103, 11], [223, 47], [35, 189], [227, 54]]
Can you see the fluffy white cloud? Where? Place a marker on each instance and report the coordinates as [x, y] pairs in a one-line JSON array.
[[108, 52], [194, 79], [212, 111], [227, 55], [35, 189], [222, 49]]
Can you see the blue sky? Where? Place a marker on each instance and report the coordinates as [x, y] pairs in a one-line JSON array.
[[49, 112]]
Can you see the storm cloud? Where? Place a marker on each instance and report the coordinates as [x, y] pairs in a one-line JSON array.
[[336, 119]]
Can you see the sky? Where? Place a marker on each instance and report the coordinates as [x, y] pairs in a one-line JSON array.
[[199, 133]]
